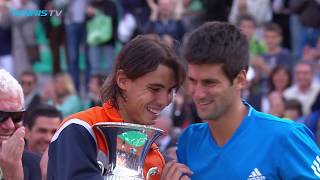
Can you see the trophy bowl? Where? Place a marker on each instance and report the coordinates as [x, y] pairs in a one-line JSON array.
[[128, 145]]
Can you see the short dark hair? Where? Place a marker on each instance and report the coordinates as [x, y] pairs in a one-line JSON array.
[[293, 104], [273, 27], [218, 43], [30, 73], [246, 17], [40, 110], [100, 78], [138, 57]]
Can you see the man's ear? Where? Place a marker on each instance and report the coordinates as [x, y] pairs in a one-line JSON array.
[[27, 134], [122, 80], [241, 80]]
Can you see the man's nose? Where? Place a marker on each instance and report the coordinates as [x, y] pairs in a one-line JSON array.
[[8, 124], [165, 99], [198, 92]]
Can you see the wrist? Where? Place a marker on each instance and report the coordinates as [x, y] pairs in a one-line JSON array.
[[12, 171]]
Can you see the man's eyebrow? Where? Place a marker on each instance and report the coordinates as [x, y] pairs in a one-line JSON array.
[[156, 85]]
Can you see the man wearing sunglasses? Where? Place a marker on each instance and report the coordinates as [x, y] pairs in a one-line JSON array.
[[15, 164]]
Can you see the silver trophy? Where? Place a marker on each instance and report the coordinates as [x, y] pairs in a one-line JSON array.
[[128, 145]]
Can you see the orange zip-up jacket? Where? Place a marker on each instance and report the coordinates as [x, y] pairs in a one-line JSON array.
[[76, 147]]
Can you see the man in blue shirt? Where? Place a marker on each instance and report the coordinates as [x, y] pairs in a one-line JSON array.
[[236, 141]]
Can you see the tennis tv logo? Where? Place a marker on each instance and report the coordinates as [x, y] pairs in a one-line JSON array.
[[39, 13]]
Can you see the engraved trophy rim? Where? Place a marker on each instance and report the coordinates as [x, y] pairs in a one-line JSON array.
[[121, 124]]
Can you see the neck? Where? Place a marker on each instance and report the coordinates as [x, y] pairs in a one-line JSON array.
[[273, 50], [304, 89], [225, 126], [164, 17], [279, 90], [122, 111]]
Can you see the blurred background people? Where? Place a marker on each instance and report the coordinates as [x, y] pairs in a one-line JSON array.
[[102, 52], [29, 82], [24, 36], [304, 88], [95, 84], [6, 58], [164, 21], [64, 97]]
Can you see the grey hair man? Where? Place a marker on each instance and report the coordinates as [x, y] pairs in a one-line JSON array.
[[13, 159]]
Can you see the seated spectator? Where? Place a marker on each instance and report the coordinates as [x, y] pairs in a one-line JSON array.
[[248, 26], [276, 104], [312, 55], [41, 124], [304, 89], [279, 80], [15, 163], [95, 83], [293, 110], [275, 54], [28, 82], [64, 97], [163, 21]]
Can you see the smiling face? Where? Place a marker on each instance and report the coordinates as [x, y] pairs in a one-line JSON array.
[[281, 80], [9, 102], [211, 90], [39, 136], [147, 95], [303, 75]]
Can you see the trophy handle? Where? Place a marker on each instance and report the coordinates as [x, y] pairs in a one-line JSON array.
[[152, 171], [103, 170]]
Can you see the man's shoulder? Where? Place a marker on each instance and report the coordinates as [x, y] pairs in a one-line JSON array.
[[271, 120], [195, 130], [84, 119], [90, 116], [277, 126]]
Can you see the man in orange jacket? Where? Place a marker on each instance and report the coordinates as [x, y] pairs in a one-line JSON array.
[[143, 81]]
